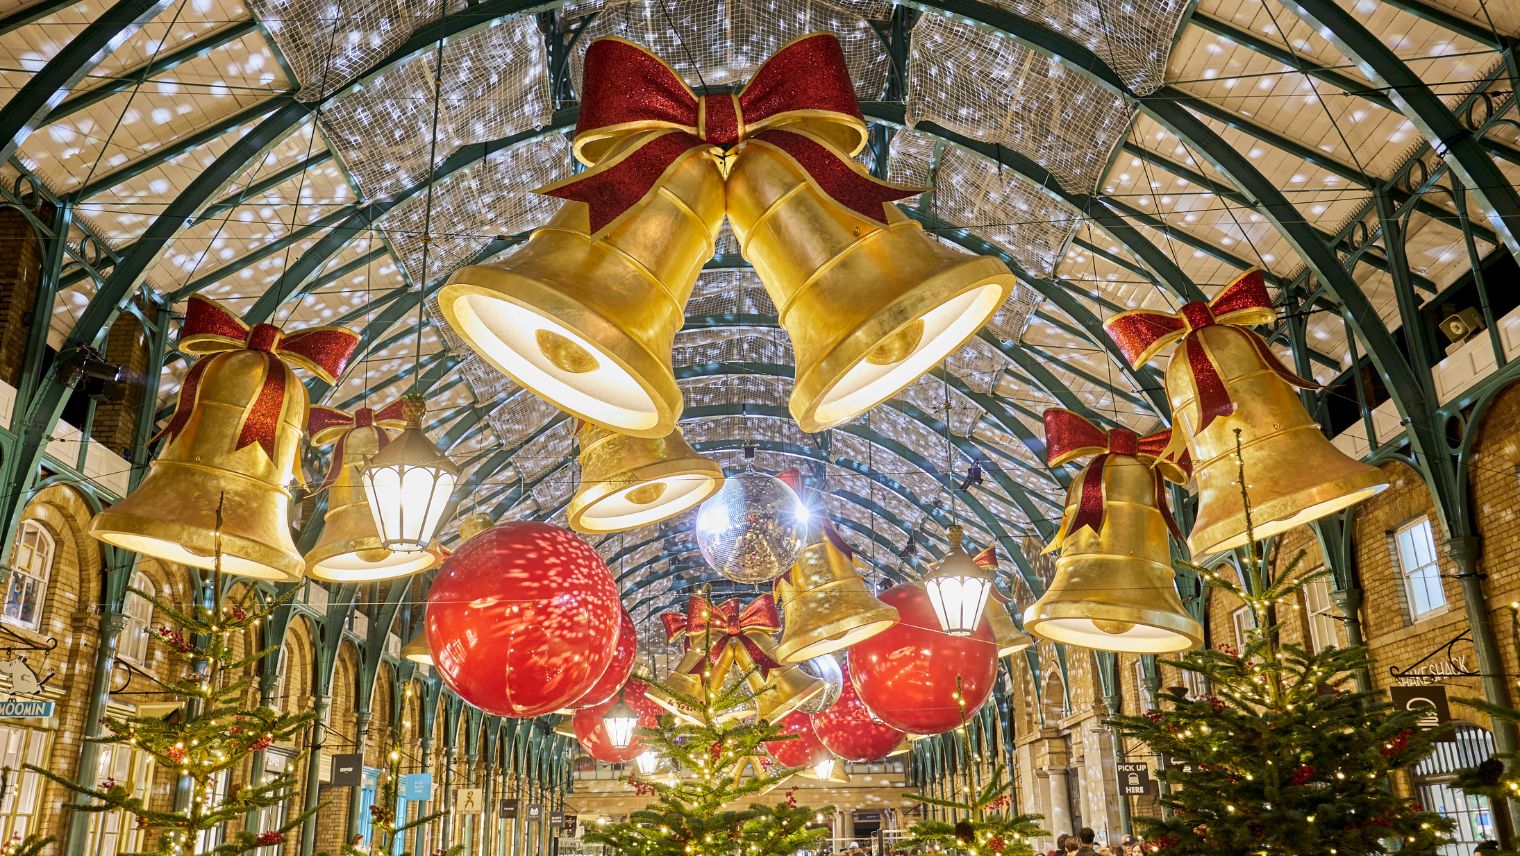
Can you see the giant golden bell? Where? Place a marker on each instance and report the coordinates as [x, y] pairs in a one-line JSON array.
[[868, 309], [825, 605], [349, 549], [781, 691], [633, 481], [1114, 589], [172, 513], [587, 322], [1294, 474], [1005, 632]]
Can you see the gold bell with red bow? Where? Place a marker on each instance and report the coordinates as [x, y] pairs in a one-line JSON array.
[[1114, 587], [232, 446], [584, 315], [723, 636], [349, 549], [1005, 631], [869, 300], [825, 603], [633, 481], [1222, 378]]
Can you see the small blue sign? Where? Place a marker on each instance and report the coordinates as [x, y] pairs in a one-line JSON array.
[[25, 709], [417, 787]]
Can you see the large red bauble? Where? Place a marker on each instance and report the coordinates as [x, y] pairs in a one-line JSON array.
[[906, 675], [848, 730], [591, 728], [804, 749], [618, 670], [523, 619]]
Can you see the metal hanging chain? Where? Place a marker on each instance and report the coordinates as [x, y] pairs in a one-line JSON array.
[[427, 210]]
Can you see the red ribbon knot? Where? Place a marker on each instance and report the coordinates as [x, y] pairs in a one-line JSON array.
[[1242, 304], [1069, 437], [211, 329], [801, 101], [725, 623]]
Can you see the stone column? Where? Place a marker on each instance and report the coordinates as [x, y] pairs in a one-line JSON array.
[[309, 798], [111, 624], [361, 737]]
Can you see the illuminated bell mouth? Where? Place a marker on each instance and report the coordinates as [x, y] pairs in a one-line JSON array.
[[898, 346], [564, 354], [646, 493]]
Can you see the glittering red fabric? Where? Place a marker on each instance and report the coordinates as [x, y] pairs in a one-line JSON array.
[[625, 85], [1068, 436], [261, 422]]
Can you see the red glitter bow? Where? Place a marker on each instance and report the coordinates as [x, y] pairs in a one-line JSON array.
[[987, 560], [1243, 303], [1069, 437], [726, 623], [801, 102], [326, 425], [210, 328]]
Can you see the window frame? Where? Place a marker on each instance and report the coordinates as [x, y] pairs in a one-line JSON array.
[[1428, 573], [1320, 619], [39, 578], [132, 644], [1242, 630]]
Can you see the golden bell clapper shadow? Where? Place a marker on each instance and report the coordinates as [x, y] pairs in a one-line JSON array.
[[232, 444], [1223, 378], [585, 313], [349, 548], [628, 482]]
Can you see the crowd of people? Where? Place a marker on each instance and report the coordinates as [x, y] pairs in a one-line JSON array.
[[1084, 842]]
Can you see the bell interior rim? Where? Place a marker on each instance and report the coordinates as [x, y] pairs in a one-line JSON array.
[[818, 398], [615, 395], [171, 550], [596, 509], [1199, 540], [344, 565], [835, 636], [1150, 634]]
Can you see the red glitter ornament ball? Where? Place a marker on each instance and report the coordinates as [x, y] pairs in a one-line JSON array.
[[848, 730], [906, 675], [618, 670], [804, 749], [591, 727], [523, 619]]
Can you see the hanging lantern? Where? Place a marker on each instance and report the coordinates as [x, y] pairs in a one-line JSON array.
[[1114, 587], [752, 529], [823, 768], [632, 481], [595, 728], [620, 722], [418, 651], [232, 444], [1224, 378], [825, 603], [350, 550], [408, 484], [648, 762], [958, 589]]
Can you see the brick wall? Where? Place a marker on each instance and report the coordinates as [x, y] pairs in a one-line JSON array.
[[20, 278]]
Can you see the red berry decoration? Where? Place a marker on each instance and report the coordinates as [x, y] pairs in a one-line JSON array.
[[591, 727], [802, 750], [523, 619], [618, 670], [848, 730], [906, 674]]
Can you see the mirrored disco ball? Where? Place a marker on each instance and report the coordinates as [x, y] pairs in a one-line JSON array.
[[752, 529], [825, 668]]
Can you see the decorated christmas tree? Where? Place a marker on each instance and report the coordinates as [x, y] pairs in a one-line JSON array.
[[1285, 756], [984, 822], [698, 808], [213, 733]]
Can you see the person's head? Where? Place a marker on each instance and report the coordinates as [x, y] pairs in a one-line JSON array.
[[1086, 835], [1487, 847], [1072, 844], [1061, 840]]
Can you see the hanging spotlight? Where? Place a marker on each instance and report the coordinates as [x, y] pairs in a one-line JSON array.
[[408, 484], [648, 761], [958, 589], [418, 651], [620, 722]]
